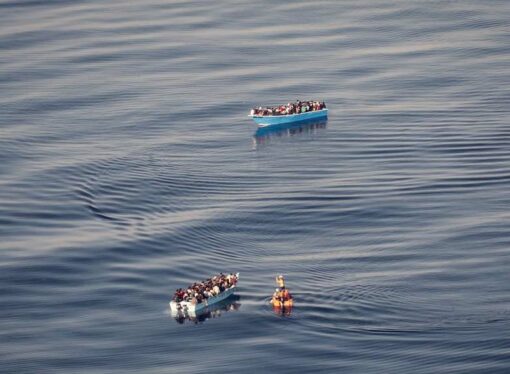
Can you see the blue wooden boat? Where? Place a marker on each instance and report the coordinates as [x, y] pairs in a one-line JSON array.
[[191, 307], [289, 118], [194, 307]]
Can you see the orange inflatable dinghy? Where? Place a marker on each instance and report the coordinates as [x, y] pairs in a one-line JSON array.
[[281, 297], [282, 304]]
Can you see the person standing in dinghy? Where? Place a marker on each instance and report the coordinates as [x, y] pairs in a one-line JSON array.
[[281, 293], [280, 281]]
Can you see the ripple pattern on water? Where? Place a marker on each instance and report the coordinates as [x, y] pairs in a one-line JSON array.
[[129, 168]]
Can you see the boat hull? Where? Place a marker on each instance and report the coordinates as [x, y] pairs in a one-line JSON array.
[[194, 308], [263, 121], [227, 305]]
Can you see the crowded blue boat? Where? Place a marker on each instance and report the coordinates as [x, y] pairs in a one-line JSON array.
[[290, 113]]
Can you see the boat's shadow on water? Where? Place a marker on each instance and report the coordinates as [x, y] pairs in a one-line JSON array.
[[231, 304], [268, 134]]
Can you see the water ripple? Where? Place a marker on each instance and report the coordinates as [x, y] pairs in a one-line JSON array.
[[129, 168]]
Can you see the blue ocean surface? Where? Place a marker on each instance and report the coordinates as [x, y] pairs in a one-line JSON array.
[[129, 168]]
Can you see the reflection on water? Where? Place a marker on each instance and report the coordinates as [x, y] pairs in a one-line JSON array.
[[127, 170], [265, 135], [214, 311], [282, 311]]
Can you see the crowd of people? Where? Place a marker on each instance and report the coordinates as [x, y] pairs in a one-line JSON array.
[[290, 108], [201, 291]]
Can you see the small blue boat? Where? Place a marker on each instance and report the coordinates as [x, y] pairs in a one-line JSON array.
[[269, 120], [194, 307]]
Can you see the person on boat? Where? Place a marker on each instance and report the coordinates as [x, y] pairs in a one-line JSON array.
[[230, 279], [290, 108], [216, 290], [199, 298], [203, 290], [280, 297], [280, 281], [177, 295], [285, 294]]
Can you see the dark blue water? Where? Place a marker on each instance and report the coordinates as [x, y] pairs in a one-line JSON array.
[[128, 168]]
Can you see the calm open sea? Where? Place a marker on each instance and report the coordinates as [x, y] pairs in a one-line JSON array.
[[129, 168]]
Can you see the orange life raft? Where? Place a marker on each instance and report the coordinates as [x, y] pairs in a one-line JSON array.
[[282, 304]]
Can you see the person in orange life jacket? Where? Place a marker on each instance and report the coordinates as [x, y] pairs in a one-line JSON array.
[[283, 294]]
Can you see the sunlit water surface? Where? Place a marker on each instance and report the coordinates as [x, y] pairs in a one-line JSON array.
[[128, 168]]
